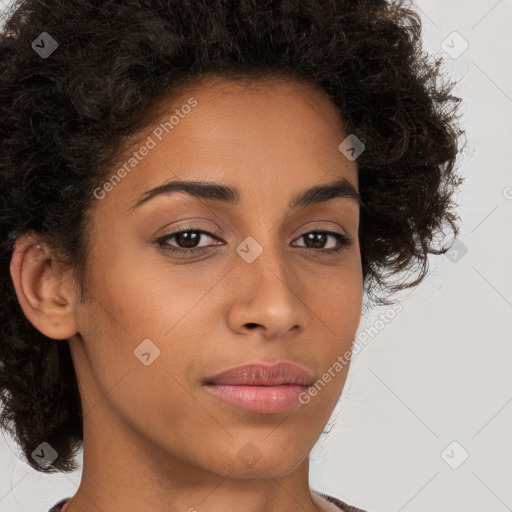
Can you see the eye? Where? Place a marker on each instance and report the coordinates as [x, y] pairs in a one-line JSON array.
[[317, 238], [189, 237]]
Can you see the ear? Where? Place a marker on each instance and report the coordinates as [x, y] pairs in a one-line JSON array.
[[45, 292]]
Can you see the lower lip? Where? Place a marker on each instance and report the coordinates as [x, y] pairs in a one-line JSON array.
[[262, 399]]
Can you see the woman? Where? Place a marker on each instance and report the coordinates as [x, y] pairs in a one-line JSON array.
[[196, 199]]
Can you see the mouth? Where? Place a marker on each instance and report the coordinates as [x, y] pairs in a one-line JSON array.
[[260, 388]]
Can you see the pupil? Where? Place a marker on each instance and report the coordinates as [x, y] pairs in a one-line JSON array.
[[318, 239], [188, 238]]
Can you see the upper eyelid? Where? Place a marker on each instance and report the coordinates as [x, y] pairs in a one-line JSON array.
[[216, 232]]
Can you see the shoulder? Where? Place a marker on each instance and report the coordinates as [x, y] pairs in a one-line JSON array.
[[340, 504]]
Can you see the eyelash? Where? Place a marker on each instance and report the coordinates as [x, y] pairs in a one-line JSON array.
[[343, 241]]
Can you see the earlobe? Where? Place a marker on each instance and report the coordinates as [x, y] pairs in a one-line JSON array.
[[42, 288]]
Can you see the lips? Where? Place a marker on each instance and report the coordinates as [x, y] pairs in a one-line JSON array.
[[260, 388], [257, 374]]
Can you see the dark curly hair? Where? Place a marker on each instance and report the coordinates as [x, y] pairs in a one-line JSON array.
[[65, 121]]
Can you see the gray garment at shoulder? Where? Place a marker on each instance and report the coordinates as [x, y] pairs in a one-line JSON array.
[[340, 504]]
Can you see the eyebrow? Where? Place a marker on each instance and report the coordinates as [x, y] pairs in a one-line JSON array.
[[212, 191]]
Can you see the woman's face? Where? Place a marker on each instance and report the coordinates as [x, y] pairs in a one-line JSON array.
[[261, 290]]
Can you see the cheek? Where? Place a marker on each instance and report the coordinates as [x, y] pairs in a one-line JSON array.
[[145, 295], [335, 297], [140, 348], [154, 314], [336, 310]]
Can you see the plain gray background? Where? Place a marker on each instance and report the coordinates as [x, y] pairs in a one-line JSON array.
[[424, 422]]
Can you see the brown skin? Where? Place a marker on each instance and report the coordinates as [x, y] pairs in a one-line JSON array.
[[154, 439]]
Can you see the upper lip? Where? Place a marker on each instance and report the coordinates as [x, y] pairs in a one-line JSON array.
[[259, 374]]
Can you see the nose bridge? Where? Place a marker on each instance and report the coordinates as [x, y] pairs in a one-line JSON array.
[[262, 251], [264, 262]]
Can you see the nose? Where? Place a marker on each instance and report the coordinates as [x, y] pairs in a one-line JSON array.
[[266, 296]]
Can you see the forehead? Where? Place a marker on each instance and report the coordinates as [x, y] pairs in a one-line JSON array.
[[263, 104], [263, 135]]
